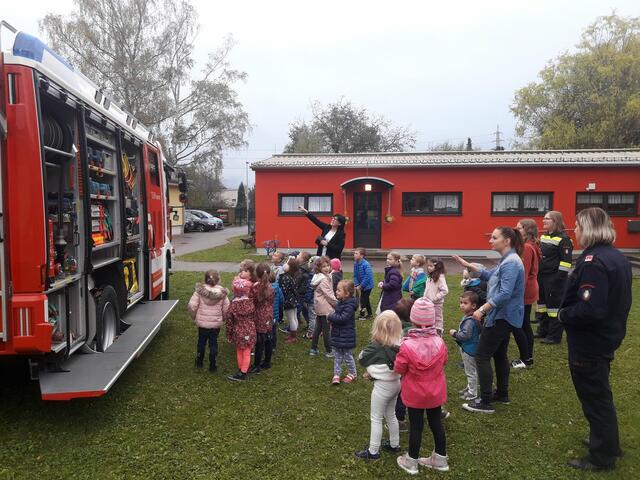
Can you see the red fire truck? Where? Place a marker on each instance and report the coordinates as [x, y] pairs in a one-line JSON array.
[[84, 230]]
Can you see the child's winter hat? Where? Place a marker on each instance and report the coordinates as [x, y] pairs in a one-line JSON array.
[[423, 313], [335, 263], [241, 287]]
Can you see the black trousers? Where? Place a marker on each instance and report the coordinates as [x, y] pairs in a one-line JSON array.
[[209, 335], [365, 303], [401, 410], [416, 426], [494, 342], [524, 336], [322, 325], [591, 381], [551, 290], [264, 346]]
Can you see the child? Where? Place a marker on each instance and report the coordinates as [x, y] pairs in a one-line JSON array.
[[247, 270], [421, 361], [467, 337], [336, 273], [301, 288], [207, 307], [436, 289], [241, 329], [403, 310], [278, 300], [309, 300], [471, 282], [378, 358], [415, 283], [288, 283], [324, 303], [363, 281], [277, 263], [343, 332], [262, 294], [392, 284]]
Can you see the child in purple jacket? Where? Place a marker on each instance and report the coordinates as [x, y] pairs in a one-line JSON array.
[[392, 284]]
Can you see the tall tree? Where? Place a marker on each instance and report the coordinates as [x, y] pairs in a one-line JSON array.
[[241, 204], [589, 98], [141, 53], [204, 185], [341, 127]]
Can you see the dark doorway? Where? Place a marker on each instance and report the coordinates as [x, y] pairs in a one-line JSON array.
[[367, 212]]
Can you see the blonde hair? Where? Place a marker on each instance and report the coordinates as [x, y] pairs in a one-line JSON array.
[[387, 329], [420, 260], [347, 286], [595, 227], [212, 277]]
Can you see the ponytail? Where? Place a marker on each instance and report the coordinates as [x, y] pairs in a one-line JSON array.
[[515, 239], [262, 285]]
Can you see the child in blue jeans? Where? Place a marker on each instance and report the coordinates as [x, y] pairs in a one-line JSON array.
[[343, 332]]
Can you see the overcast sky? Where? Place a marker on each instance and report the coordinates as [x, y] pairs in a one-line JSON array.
[[448, 70]]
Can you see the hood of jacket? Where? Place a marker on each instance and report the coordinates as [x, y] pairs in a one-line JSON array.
[[210, 294], [317, 278], [425, 353]]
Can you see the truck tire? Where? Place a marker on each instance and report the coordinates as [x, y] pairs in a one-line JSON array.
[[107, 318]]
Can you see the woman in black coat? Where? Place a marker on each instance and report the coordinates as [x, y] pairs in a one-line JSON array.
[[331, 241], [594, 314]]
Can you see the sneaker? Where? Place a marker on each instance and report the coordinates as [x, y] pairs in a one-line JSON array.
[[408, 464], [335, 380], [467, 396], [330, 355], [313, 352], [444, 414], [284, 329], [436, 462], [478, 406], [213, 368], [365, 454], [238, 377], [503, 399], [518, 364], [463, 391], [254, 369], [265, 366], [350, 378], [529, 362], [386, 445]]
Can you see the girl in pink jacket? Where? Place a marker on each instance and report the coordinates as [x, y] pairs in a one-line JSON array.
[[436, 289], [207, 307], [421, 361]]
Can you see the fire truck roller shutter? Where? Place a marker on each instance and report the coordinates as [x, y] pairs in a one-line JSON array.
[[107, 317]]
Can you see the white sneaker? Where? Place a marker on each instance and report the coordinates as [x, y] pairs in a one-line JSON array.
[[435, 461], [408, 464], [518, 364], [467, 396]]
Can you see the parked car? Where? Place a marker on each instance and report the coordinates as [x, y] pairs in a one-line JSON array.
[[205, 221]]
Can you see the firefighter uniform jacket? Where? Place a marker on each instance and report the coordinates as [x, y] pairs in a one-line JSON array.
[[555, 263], [596, 303]]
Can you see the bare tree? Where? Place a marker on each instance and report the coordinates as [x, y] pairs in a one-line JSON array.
[[141, 53]]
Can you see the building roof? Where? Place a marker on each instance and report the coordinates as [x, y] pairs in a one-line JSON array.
[[506, 158]]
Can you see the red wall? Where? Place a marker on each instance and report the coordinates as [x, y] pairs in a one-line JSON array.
[[466, 231]]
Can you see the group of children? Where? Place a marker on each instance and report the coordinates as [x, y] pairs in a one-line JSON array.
[[405, 358]]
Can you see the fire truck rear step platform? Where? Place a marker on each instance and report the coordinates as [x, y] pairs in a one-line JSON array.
[[92, 375]]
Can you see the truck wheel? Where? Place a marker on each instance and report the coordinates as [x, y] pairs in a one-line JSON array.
[[107, 318]]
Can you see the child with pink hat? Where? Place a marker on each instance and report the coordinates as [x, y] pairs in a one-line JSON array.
[[336, 273], [421, 361]]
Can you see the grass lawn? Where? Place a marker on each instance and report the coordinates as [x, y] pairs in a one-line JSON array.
[[233, 251], [164, 419]]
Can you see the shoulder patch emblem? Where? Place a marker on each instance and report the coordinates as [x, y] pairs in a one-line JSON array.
[[586, 294], [588, 258]]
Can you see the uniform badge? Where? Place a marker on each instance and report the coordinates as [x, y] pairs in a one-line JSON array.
[[586, 294], [588, 258]]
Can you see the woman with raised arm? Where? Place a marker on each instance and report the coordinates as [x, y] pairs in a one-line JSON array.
[[504, 311], [331, 241]]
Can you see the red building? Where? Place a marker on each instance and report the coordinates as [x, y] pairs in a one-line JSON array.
[[440, 202]]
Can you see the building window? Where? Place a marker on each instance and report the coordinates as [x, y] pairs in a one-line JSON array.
[[430, 203], [319, 204], [521, 203], [618, 203]]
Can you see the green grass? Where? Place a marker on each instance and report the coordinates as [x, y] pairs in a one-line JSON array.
[[233, 251], [163, 419]]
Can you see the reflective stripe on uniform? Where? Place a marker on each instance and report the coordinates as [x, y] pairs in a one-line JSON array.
[[564, 266], [552, 312], [541, 308], [551, 240]]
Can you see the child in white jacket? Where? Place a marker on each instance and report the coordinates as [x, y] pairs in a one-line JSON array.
[[436, 289], [324, 302], [378, 358], [207, 308]]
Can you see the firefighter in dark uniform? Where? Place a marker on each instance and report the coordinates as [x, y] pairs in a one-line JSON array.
[[594, 313], [555, 264]]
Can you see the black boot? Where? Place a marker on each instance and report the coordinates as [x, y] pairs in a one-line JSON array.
[[199, 360]]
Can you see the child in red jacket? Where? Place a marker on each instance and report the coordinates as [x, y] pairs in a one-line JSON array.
[[421, 361]]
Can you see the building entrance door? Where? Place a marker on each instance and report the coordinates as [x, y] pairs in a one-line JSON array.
[[367, 223]]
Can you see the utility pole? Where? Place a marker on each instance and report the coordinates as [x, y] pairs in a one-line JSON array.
[[498, 140], [246, 195]]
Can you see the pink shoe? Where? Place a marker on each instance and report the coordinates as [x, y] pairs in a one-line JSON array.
[[335, 380], [349, 378]]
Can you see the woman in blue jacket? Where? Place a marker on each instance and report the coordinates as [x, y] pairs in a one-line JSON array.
[[504, 311]]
